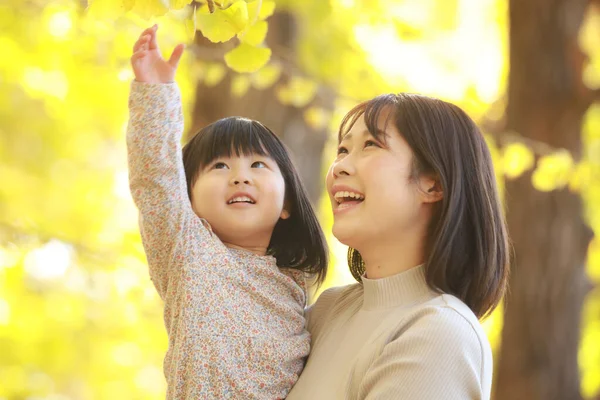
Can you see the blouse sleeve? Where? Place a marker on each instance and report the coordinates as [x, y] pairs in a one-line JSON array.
[[157, 180]]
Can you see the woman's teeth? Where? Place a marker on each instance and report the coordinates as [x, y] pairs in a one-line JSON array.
[[340, 197]]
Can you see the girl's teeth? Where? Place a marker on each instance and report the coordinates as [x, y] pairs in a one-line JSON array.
[[240, 199]]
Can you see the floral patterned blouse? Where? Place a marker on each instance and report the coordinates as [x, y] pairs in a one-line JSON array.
[[235, 320]]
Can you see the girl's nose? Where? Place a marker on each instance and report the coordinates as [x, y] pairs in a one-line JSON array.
[[239, 178]]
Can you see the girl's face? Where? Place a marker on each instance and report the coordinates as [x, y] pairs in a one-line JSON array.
[[242, 198], [373, 197]]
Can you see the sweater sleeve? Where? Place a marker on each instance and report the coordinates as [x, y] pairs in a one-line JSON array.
[[157, 179], [438, 356]]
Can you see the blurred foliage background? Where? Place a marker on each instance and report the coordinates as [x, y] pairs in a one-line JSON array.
[[79, 317]]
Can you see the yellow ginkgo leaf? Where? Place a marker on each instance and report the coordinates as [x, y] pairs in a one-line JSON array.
[[150, 8], [317, 118], [553, 171], [267, 9], [214, 74], [197, 70], [255, 34], [516, 159], [298, 92], [190, 25], [260, 10], [246, 58], [108, 9], [265, 77], [593, 261], [240, 85], [223, 24], [178, 4], [582, 175]]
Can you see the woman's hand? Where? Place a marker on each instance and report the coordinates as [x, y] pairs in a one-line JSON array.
[[147, 62]]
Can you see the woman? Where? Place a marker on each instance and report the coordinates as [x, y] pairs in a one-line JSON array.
[[414, 197]]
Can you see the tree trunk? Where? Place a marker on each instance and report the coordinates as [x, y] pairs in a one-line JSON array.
[[306, 144], [546, 103]]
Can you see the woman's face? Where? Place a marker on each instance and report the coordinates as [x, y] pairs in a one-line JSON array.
[[372, 194]]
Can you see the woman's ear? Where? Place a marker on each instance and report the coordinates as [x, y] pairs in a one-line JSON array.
[[431, 190], [286, 212]]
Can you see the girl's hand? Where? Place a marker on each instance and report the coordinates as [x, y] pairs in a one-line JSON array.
[[147, 62]]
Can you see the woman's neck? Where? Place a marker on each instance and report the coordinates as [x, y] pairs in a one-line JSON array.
[[390, 257]]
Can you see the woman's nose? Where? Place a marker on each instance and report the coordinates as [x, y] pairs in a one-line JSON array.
[[343, 167]]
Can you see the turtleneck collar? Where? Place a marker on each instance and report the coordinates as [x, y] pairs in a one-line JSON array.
[[404, 288]]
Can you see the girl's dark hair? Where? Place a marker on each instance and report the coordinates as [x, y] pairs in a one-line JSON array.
[[298, 241], [467, 249]]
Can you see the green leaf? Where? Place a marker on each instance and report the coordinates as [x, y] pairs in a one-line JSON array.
[[246, 58], [255, 34], [223, 24]]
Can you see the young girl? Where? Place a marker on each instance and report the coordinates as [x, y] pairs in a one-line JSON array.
[[414, 196], [229, 234]]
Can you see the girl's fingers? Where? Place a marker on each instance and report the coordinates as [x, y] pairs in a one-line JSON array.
[[138, 55], [176, 55], [148, 30], [153, 42], [141, 41]]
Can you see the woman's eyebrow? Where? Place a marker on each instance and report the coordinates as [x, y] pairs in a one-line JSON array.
[[381, 133]]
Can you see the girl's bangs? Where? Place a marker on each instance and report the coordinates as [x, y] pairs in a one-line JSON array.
[[233, 137]]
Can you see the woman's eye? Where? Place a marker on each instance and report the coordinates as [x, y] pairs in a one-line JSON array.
[[342, 150], [220, 165], [369, 143], [258, 164]]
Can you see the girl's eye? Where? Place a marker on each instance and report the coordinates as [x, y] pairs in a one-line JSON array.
[[220, 165], [342, 150], [259, 164], [369, 143]]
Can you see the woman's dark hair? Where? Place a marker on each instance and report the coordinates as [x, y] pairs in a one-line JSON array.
[[467, 249], [298, 241]]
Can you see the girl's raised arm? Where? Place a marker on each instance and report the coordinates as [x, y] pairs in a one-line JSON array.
[[156, 174]]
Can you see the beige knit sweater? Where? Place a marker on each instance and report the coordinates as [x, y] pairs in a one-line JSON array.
[[394, 338]]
